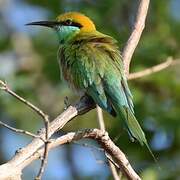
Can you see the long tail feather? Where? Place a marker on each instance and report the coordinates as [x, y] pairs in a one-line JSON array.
[[134, 128]]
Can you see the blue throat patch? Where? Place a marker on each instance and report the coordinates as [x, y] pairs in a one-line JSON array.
[[65, 33]]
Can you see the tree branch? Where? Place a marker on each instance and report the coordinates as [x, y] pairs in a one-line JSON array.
[[44, 116], [107, 144], [21, 131], [100, 118], [25, 156], [135, 35], [102, 138], [101, 123], [5, 87], [17, 163], [154, 69]]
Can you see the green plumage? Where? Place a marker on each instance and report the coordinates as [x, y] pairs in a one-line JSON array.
[[91, 63]]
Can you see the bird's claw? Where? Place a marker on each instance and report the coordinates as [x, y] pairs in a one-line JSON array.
[[66, 103]]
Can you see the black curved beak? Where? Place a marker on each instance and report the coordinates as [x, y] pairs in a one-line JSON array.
[[50, 24]]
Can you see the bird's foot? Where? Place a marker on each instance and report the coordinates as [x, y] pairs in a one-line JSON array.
[[66, 103]]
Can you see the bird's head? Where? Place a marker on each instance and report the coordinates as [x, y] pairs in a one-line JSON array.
[[68, 24]]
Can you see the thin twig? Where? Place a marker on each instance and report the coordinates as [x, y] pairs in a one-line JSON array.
[[101, 123], [46, 146], [110, 159], [100, 118], [5, 87], [20, 131], [135, 35], [45, 118], [154, 69]]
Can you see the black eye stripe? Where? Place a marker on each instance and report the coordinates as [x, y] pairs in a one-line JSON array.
[[71, 23], [76, 24]]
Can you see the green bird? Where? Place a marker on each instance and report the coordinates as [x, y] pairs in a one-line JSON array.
[[91, 63]]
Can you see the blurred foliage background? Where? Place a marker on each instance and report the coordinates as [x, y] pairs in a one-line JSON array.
[[28, 62]]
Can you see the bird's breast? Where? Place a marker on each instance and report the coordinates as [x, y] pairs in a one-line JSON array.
[[69, 70]]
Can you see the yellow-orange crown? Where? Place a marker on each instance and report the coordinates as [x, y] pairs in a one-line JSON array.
[[86, 23]]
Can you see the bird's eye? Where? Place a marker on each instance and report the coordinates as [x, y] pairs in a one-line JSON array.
[[68, 22]]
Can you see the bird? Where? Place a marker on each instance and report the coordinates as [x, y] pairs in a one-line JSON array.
[[91, 63]]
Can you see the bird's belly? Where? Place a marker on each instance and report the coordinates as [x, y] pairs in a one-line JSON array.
[[69, 78]]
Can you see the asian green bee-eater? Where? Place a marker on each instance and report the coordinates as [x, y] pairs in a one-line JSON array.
[[91, 62]]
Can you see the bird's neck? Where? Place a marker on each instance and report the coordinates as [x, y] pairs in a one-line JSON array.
[[67, 33]]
